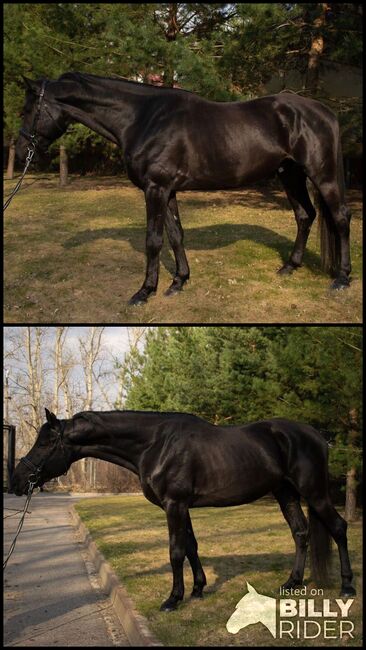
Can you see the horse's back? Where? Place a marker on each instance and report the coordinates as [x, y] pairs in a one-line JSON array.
[[190, 143], [221, 466]]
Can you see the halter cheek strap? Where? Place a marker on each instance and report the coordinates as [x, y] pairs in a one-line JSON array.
[[32, 136]]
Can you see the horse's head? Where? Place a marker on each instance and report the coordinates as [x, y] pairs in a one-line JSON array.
[[253, 608], [49, 457], [42, 117]]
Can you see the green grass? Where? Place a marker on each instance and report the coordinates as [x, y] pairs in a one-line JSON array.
[[78, 254], [245, 543]]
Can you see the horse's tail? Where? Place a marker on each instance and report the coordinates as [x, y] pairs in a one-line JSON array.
[[320, 549], [330, 243]]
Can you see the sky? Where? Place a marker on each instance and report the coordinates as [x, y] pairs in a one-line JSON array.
[[115, 337], [115, 341]]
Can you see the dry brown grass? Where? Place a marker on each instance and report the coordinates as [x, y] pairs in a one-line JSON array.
[[77, 255]]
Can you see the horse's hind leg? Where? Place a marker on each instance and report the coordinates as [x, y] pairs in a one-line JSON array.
[[337, 527], [175, 234], [294, 182], [199, 578], [289, 501]]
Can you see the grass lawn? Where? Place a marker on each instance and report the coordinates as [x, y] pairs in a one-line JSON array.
[[245, 543], [78, 254]]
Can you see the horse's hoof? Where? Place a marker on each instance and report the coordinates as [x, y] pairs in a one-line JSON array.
[[173, 290], [286, 269], [176, 286], [290, 584], [135, 302], [169, 605], [196, 594], [348, 592], [339, 284], [140, 298]]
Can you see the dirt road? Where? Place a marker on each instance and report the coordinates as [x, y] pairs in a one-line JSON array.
[[52, 597]]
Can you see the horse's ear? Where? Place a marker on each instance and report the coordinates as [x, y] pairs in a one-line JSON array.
[[52, 419], [251, 589], [29, 84]]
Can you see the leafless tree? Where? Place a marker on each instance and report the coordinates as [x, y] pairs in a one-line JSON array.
[[45, 367]]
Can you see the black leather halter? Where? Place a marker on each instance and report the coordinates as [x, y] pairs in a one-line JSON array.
[[32, 135], [37, 469]]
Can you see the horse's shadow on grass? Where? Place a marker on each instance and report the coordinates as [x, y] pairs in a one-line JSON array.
[[226, 567], [204, 238], [252, 197]]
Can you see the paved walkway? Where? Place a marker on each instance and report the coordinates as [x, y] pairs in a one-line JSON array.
[[52, 596]]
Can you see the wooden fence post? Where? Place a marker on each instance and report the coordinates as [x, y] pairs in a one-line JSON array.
[[63, 166]]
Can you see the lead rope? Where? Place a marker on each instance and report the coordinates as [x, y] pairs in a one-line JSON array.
[[30, 154], [29, 496], [31, 147]]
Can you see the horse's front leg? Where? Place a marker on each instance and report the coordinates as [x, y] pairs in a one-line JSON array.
[[176, 513], [175, 235], [199, 577], [156, 198]]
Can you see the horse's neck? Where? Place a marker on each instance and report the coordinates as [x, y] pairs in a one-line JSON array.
[[107, 110], [121, 441]]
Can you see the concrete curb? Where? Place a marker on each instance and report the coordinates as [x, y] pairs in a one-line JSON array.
[[134, 624]]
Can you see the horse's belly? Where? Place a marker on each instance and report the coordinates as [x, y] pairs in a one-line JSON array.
[[225, 172], [234, 493]]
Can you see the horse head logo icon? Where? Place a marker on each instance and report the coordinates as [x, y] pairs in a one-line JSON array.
[[253, 608]]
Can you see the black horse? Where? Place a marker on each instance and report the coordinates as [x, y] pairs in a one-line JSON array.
[[184, 462], [173, 140]]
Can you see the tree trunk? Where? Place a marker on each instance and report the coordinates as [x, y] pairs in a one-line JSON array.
[[63, 166], [171, 35], [11, 160], [315, 52], [89, 352], [35, 375], [58, 368], [351, 482], [351, 485], [6, 398]]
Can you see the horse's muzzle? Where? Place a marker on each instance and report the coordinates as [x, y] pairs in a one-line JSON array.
[[19, 484]]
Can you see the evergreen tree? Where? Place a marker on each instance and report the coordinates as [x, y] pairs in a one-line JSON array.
[[320, 374]]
